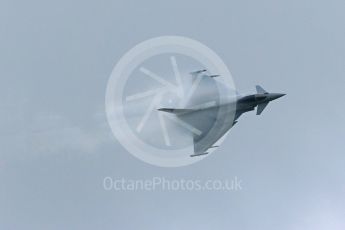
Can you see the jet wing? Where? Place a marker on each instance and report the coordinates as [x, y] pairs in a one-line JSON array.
[[208, 121]]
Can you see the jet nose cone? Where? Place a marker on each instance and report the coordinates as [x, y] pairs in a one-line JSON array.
[[280, 95], [277, 95]]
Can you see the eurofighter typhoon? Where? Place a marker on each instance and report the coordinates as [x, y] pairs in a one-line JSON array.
[[210, 121]]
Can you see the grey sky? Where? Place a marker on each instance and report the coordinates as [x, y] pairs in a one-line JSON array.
[[56, 147]]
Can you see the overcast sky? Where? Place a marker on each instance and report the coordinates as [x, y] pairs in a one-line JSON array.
[[56, 146]]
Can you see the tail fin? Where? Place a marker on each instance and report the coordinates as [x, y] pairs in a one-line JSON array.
[[259, 89]]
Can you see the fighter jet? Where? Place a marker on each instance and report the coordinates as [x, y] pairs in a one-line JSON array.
[[215, 121]]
